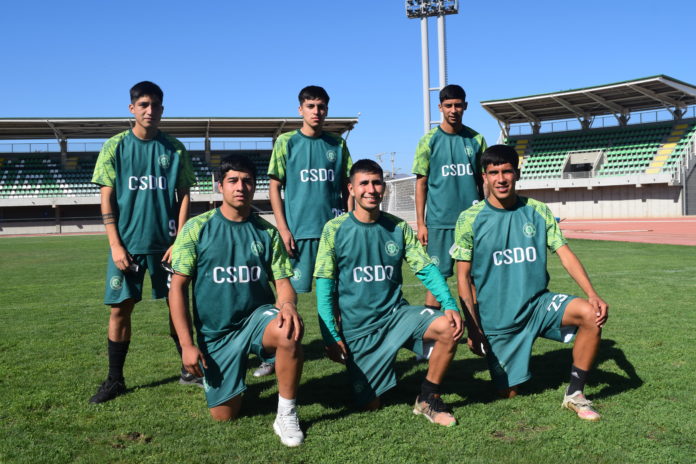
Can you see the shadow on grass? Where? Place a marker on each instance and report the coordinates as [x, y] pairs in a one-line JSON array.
[[552, 369]]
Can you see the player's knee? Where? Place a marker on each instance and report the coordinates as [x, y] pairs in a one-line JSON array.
[[222, 415], [443, 332]]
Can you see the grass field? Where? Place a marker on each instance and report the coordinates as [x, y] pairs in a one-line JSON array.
[[53, 356]]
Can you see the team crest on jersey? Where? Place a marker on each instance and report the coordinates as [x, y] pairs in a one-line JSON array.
[[391, 248], [358, 386], [164, 161], [257, 248], [116, 283], [296, 274], [331, 155], [469, 151], [529, 230], [435, 260]]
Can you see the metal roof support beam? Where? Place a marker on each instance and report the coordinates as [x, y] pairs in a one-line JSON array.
[[583, 117], [206, 142], [532, 119], [279, 130], [675, 107], [620, 113], [504, 128], [62, 142]]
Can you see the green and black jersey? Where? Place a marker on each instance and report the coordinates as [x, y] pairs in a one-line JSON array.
[[365, 261], [232, 265], [145, 175], [507, 250], [452, 164], [313, 171]]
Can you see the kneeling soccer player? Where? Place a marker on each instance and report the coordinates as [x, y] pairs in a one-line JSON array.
[[501, 243], [232, 256], [359, 258]]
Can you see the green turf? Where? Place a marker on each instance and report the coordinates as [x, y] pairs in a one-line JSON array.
[[53, 356]]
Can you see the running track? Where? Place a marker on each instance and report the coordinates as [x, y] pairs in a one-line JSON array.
[[671, 231]]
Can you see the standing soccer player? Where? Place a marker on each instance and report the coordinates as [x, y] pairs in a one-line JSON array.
[[359, 268], [448, 180], [232, 257], [501, 244], [145, 176], [312, 167]]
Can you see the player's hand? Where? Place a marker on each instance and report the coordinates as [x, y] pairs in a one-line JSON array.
[[338, 352], [455, 321], [190, 358], [288, 241], [477, 342], [423, 235], [601, 310], [168, 255], [120, 257], [289, 318]]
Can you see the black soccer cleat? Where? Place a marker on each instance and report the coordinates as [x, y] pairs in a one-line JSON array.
[[190, 379], [109, 390]]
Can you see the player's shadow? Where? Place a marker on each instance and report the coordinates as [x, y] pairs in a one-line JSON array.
[[155, 384], [552, 370]]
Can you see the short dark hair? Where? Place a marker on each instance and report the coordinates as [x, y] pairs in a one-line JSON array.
[[144, 88], [451, 92], [313, 92], [366, 165], [236, 162], [500, 154]]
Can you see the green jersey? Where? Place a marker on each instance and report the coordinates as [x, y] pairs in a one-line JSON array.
[[365, 261], [452, 164], [145, 175], [507, 250], [313, 171], [232, 265]]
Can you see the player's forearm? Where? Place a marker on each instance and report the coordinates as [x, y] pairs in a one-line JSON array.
[[177, 309], [421, 195], [286, 293], [277, 204], [466, 295], [326, 290], [109, 217], [184, 207], [576, 270], [435, 282]]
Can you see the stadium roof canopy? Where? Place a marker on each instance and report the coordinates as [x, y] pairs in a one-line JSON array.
[[101, 128], [618, 99]]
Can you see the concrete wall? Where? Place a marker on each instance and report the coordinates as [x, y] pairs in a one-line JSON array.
[[621, 201]]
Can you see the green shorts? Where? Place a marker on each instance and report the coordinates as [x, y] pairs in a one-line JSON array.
[[371, 362], [510, 353], [303, 265], [227, 356], [121, 285], [439, 243]]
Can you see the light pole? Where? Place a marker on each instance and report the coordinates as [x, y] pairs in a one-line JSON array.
[[424, 9]]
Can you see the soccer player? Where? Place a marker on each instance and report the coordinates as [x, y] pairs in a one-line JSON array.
[[232, 257], [448, 180], [312, 167], [145, 176], [501, 244], [359, 268]]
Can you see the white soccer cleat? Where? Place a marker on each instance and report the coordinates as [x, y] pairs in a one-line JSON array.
[[287, 427], [264, 369]]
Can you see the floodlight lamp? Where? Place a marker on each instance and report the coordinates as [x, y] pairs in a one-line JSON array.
[[425, 8]]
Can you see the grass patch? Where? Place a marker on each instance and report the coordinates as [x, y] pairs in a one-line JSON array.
[[53, 357]]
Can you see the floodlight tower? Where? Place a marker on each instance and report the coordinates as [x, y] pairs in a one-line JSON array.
[[424, 9]]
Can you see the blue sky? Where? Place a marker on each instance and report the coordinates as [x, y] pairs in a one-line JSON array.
[[250, 58]]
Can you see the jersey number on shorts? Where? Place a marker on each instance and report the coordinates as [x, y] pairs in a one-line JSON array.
[[556, 302]]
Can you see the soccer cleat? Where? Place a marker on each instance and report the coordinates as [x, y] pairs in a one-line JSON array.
[[581, 405], [435, 410], [287, 427], [109, 390], [189, 379], [264, 369]]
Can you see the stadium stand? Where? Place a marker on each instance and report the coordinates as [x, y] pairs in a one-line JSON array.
[[638, 163], [624, 150], [50, 190]]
